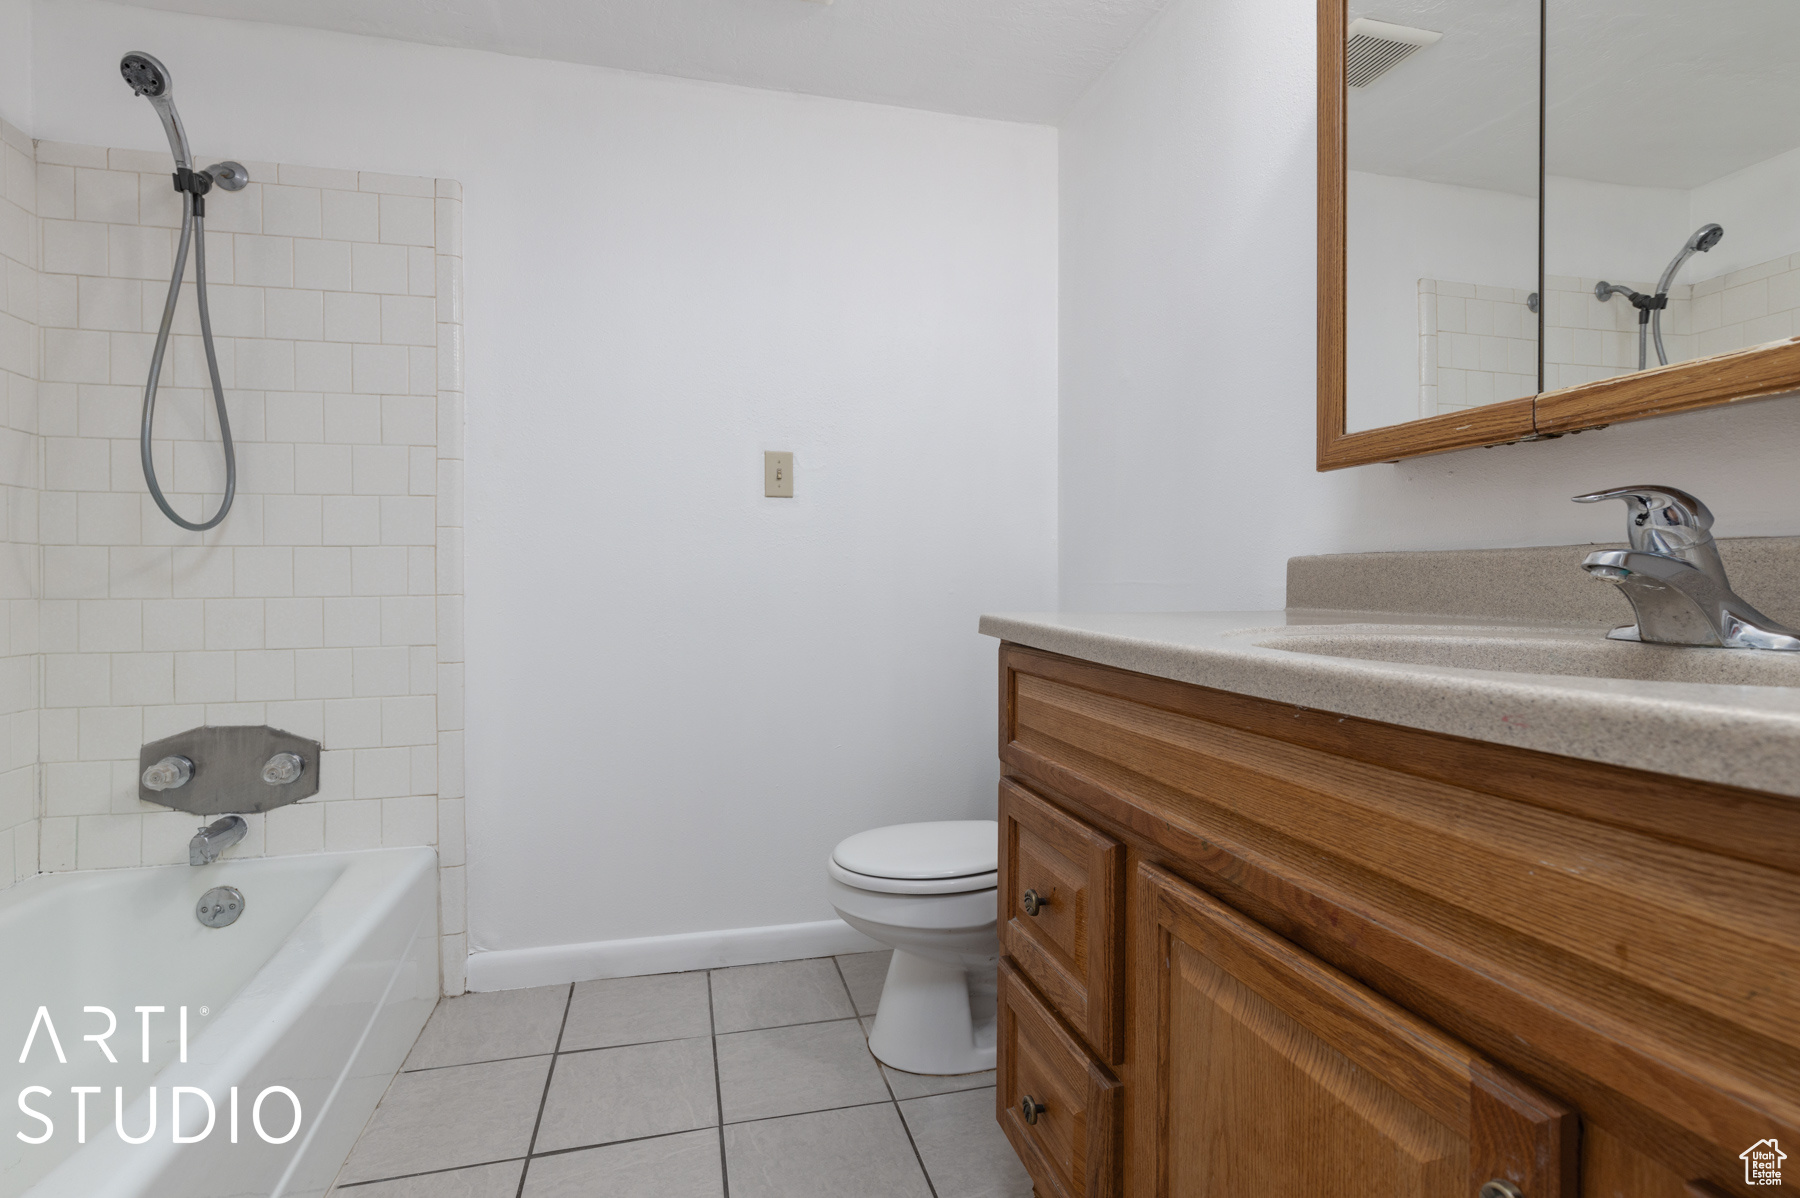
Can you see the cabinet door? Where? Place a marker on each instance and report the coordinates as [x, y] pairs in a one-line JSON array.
[[1268, 1074], [1060, 888], [1058, 1106]]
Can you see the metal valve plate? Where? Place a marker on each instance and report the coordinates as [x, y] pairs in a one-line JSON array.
[[228, 769], [220, 906]]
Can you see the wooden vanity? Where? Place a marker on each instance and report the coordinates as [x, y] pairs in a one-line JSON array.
[[1279, 953]]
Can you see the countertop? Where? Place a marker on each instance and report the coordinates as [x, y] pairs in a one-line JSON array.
[[1740, 735]]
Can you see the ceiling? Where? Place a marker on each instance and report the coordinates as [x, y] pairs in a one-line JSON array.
[[1648, 93], [1021, 60]]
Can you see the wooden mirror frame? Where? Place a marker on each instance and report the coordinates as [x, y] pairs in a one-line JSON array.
[[1755, 373]]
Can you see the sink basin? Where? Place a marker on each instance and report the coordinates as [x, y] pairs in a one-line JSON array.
[[1581, 655]]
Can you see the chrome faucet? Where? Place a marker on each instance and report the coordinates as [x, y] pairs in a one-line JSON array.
[[1674, 579], [215, 838]]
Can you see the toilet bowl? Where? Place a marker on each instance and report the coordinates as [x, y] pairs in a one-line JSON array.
[[928, 891]]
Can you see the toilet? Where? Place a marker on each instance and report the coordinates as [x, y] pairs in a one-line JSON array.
[[928, 891]]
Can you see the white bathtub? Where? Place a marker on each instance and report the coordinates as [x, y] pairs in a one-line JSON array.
[[321, 986]]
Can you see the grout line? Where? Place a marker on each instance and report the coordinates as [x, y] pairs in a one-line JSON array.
[[544, 1100], [888, 1085], [661, 1135], [427, 1173], [483, 1061], [778, 1026], [712, 1021]]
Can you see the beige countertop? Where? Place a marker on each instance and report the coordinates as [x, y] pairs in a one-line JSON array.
[[1733, 732]]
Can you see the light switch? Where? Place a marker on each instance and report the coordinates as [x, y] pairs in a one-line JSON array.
[[778, 475]]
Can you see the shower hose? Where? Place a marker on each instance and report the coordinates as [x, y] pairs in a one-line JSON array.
[[193, 232]]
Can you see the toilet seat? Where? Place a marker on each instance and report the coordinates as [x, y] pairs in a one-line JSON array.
[[942, 857]]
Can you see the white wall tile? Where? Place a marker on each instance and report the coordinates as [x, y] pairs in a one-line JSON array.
[[381, 469], [265, 674], [351, 622], [56, 844], [352, 824], [352, 519], [353, 723], [322, 366], [143, 679], [405, 220], [316, 176], [380, 268], [408, 520], [205, 677], [291, 211], [353, 419], [407, 185], [409, 720], [351, 316], [406, 819], [111, 625], [383, 773], [294, 623], [450, 831], [351, 216], [143, 253], [233, 624], [382, 671], [174, 624], [296, 828], [322, 571], [377, 369], [408, 320], [323, 674], [322, 265], [263, 261], [408, 620], [266, 570], [74, 248], [108, 841]]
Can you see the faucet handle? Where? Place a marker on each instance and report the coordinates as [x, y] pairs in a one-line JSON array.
[[1667, 521]]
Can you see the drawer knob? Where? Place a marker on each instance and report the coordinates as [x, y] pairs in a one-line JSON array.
[[1501, 1189], [1033, 902], [1031, 1108]]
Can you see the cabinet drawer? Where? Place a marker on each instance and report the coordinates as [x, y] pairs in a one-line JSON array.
[[1058, 1106], [1060, 888]]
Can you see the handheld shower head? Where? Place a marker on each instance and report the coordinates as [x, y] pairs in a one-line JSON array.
[[146, 75], [150, 79], [1703, 240]]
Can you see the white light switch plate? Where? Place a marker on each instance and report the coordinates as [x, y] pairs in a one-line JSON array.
[[778, 474]]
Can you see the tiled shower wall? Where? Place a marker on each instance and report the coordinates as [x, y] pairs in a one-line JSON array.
[[18, 508], [1471, 337], [328, 603]]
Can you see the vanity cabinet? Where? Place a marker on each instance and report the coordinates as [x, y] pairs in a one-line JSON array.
[[1277, 951]]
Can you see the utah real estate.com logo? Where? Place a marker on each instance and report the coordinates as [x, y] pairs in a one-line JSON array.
[[1762, 1163]]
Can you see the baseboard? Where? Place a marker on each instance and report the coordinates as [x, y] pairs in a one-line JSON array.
[[555, 964]]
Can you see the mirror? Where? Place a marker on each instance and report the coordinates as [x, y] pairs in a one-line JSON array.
[[1441, 193], [1539, 217], [1672, 183]]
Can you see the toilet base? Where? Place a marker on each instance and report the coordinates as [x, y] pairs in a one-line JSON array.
[[935, 1017]]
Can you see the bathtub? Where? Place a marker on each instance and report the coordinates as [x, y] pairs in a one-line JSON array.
[[320, 987]]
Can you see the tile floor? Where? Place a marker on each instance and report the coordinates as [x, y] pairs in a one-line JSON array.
[[617, 1088]]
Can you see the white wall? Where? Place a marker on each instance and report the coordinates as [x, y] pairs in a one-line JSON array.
[[15, 63], [1398, 232], [1187, 409], [680, 694]]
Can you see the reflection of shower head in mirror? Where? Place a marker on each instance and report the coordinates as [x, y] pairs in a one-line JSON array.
[[1703, 240]]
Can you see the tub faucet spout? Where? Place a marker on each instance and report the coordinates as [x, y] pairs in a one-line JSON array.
[[215, 838]]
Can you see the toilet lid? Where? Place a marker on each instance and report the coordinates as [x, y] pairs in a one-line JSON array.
[[944, 849]]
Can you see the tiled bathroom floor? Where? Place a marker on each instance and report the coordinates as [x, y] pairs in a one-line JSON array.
[[616, 1088]]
